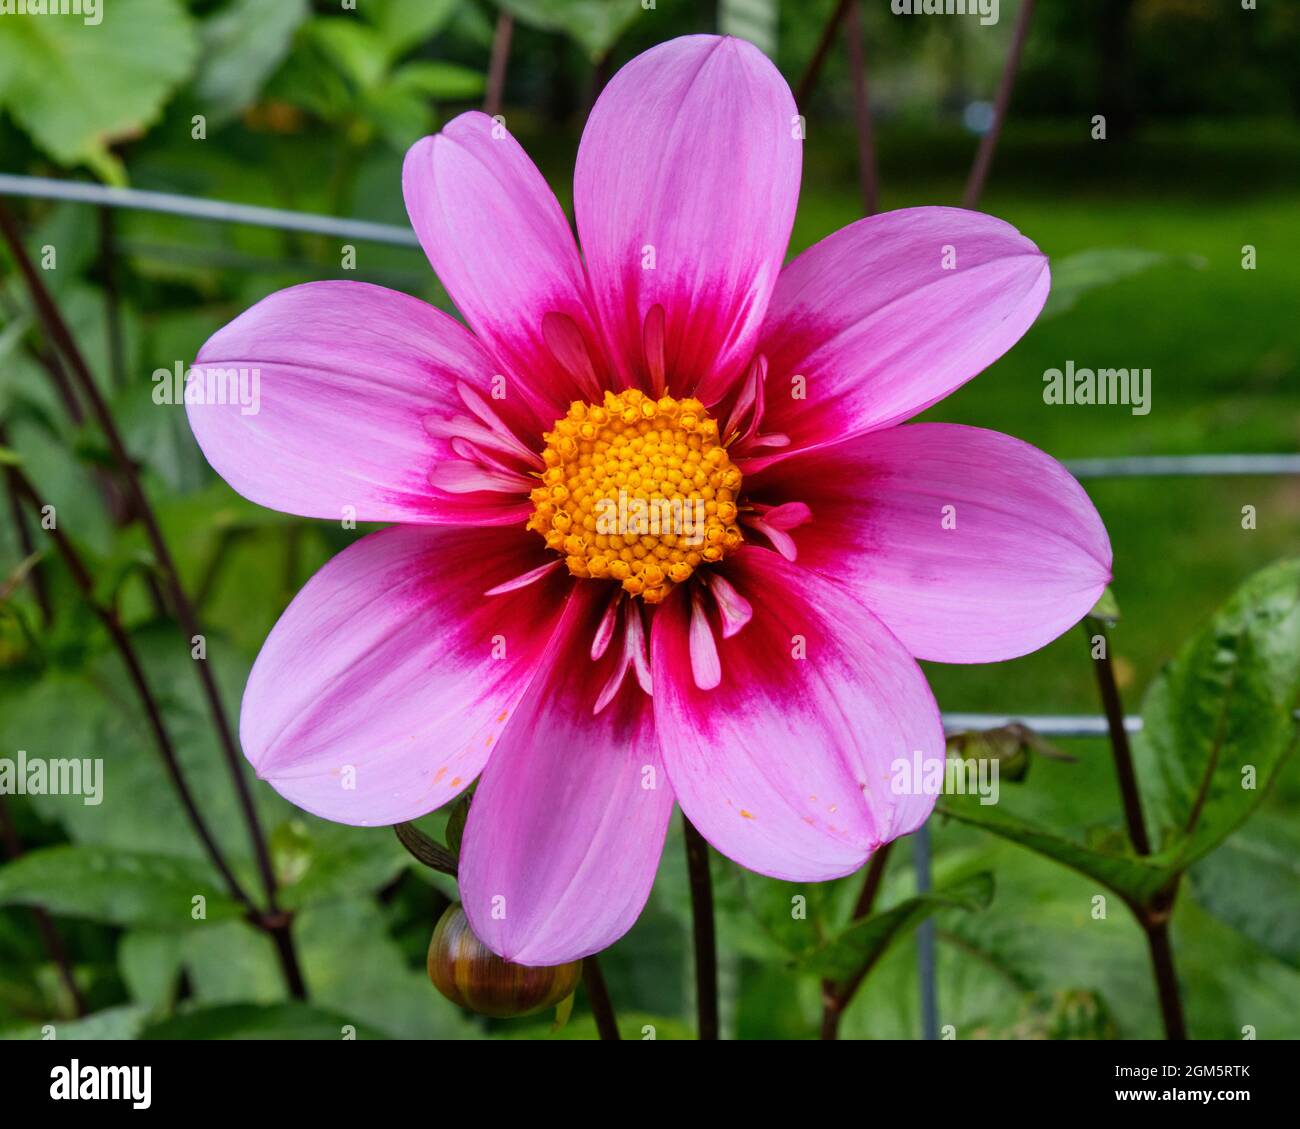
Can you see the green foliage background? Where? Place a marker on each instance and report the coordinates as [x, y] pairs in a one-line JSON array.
[[310, 106]]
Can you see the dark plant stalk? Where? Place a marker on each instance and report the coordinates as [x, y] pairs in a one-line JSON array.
[[108, 617], [1153, 916], [50, 936], [1162, 962], [868, 175], [1114, 708], [814, 68], [593, 980], [706, 948], [496, 76], [989, 142], [36, 578], [837, 997], [59, 333], [432, 854]]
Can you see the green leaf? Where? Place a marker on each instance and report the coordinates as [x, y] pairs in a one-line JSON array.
[[357, 49], [353, 966], [1107, 607], [755, 20], [1075, 275], [76, 87], [1070, 1013], [331, 862], [113, 1023], [150, 963], [254, 1021], [632, 1026], [112, 886], [1252, 883], [242, 44], [442, 82], [404, 23], [594, 24], [1129, 875], [866, 940], [1218, 722]]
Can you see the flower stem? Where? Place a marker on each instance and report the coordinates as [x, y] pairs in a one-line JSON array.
[[1119, 745], [593, 980], [1152, 917], [813, 70], [867, 173], [979, 170], [1162, 963], [837, 997], [706, 950], [496, 76]]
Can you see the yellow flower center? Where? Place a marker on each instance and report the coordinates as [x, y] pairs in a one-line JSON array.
[[637, 490]]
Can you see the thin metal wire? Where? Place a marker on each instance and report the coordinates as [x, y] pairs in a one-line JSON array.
[[1151, 466], [220, 211], [1055, 725]]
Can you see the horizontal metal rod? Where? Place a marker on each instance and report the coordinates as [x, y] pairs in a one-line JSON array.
[[1150, 466], [1046, 725], [220, 211]]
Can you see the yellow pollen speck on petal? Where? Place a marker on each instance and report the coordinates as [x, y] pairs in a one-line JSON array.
[[746, 814], [637, 490]]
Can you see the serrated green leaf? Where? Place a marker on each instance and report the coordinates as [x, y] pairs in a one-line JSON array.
[[863, 942], [1218, 722], [114, 886]]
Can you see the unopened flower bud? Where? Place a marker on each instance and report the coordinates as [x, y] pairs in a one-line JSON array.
[[468, 973]]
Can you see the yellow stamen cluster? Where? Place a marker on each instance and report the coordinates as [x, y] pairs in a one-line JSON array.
[[637, 490]]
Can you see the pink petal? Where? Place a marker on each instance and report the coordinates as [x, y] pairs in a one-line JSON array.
[[501, 245], [567, 824], [346, 375], [385, 685], [788, 766], [878, 328], [691, 154], [1028, 556], [734, 611], [704, 647]]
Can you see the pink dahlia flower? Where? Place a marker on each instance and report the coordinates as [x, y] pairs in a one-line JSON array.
[[739, 631]]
